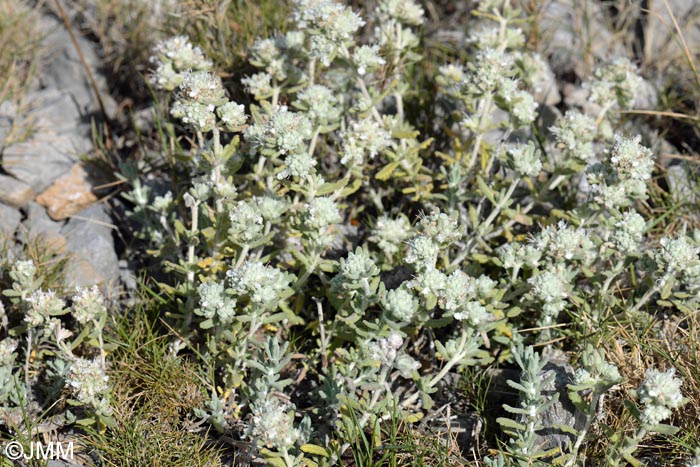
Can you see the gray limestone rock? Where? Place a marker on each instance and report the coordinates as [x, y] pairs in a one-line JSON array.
[[682, 186], [65, 72], [90, 244], [42, 159], [9, 221], [38, 225], [14, 192]]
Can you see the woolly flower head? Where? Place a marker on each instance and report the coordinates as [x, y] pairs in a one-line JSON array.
[[321, 213], [263, 284], [367, 59], [330, 26], [549, 288], [441, 227], [298, 164], [213, 302], [400, 304], [196, 116], [677, 255], [488, 70], [232, 115], [355, 271], [630, 159], [629, 232], [88, 304], [389, 233], [660, 391], [272, 424], [385, 349], [565, 243], [422, 251], [616, 82], [202, 87], [408, 12], [364, 138], [524, 160], [246, 222], [23, 273], [43, 305], [180, 52], [7, 349], [574, 134], [258, 84], [284, 132], [320, 103], [89, 383]]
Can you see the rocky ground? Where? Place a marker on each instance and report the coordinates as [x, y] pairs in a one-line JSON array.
[[48, 193]]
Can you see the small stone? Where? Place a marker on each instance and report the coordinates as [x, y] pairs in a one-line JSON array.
[[9, 221], [14, 192], [90, 245], [562, 412], [39, 226], [42, 159], [680, 185], [68, 195]]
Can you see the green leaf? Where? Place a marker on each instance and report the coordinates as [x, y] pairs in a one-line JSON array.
[[327, 188], [664, 429], [632, 460], [314, 449], [508, 423], [207, 324], [485, 189], [387, 170], [565, 429], [352, 188]]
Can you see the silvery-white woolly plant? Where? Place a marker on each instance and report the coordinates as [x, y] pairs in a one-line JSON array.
[[53, 345], [330, 265]]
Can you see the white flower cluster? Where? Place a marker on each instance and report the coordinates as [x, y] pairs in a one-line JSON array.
[[551, 288], [563, 243], [355, 271], [678, 257], [386, 348], [43, 305], [614, 83], [214, 302], [462, 296], [629, 233], [88, 382], [364, 138], [524, 159], [320, 104], [517, 255], [399, 304], [623, 177], [660, 392], [442, 228], [272, 424], [574, 134], [263, 284], [88, 305], [330, 25], [246, 222], [596, 371], [23, 273], [390, 233], [174, 56], [7, 352], [367, 59], [284, 132]]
